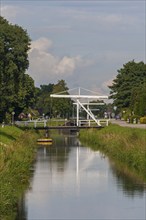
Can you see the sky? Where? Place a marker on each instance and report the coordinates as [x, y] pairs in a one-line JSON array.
[[83, 42]]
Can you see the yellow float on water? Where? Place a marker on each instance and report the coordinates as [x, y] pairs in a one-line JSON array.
[[44, 140], [44, 143]]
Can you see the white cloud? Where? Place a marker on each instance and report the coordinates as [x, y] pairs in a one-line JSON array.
[[66, 65], [89, 42], [42, 44], [45, 66]]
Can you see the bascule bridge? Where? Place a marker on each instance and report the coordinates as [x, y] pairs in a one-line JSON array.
[[82, 100]]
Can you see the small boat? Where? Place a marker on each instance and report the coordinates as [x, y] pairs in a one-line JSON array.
[[44, 140]]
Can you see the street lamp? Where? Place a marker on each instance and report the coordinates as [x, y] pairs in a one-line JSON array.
[[13, 113]]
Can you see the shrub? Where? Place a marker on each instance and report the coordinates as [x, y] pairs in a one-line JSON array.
[[134, 119], [143, 120]]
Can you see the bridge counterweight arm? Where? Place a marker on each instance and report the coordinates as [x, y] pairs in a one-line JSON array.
[[79, 96]]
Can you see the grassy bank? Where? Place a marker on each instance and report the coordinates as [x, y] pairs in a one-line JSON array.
[[17, 151], [127, 145]]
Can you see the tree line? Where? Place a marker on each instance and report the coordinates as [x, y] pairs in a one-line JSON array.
[[18, 92]]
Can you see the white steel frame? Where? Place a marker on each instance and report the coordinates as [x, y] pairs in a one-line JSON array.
[[78, 97]]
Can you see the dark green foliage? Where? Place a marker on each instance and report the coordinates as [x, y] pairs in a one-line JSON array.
[[54, 107], [16, 87], [43, 103], [139, 100], [61, 107], [126, 89]]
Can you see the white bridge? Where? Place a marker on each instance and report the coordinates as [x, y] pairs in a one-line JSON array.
[[80, 103]]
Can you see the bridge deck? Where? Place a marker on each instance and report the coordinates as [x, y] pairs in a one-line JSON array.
[[66, 127]]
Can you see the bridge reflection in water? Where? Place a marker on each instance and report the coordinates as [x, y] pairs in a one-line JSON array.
[[70, 181]]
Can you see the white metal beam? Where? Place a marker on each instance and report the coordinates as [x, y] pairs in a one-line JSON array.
[[93, 103], [79, 96], [78, 103], [88, 112]]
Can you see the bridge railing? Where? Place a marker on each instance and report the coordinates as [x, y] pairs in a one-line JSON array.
[[41, 123], [31, 123], [102, 122], [60, 122]]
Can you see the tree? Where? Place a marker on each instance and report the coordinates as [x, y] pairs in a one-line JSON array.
[[43, 103], [129, 78], [53, 107], [61, 107], [16, 87], [26, 94], [139, 100]]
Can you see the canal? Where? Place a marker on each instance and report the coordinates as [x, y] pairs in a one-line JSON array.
[[70, 181]]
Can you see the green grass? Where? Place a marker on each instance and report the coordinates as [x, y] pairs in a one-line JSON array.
[[17, 152], [127, 145], [8, 134]]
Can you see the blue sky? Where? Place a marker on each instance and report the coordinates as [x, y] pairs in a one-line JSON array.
[[82, 42]]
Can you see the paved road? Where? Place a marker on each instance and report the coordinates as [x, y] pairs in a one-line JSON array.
[[125, 124]]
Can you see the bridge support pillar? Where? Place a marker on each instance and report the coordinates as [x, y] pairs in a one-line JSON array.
[[77, 113]]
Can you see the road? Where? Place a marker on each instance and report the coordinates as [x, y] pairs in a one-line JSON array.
[[125, 124]]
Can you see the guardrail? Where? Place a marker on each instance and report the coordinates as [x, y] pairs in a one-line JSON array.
[[89, 122], [32, 123], [44, 123]]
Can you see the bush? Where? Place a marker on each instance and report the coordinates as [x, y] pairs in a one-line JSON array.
[[134, 119], [143, 120]]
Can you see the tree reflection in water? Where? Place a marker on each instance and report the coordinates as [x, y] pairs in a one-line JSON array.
[[127, 181]]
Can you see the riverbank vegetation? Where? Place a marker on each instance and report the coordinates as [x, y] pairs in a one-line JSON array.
[[126, 145], [17, 152]]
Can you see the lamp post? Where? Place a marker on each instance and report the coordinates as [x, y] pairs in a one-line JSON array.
[[13, 113]]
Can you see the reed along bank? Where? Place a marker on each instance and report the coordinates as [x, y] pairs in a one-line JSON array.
[[17, 152], [126, 145]]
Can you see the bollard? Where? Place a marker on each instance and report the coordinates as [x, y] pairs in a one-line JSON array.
[[3, 124]]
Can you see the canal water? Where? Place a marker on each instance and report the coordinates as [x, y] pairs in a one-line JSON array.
[[70, 181]]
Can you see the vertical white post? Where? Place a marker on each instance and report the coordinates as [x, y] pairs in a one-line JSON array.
[[107, 123], [87, 113], [77, 113], [88, 118]]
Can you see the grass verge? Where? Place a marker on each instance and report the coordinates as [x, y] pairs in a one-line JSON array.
[[127, 145], [17, 152]]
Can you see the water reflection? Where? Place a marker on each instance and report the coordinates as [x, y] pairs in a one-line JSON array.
[[22, 212], [127, 181], [71, 181]]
